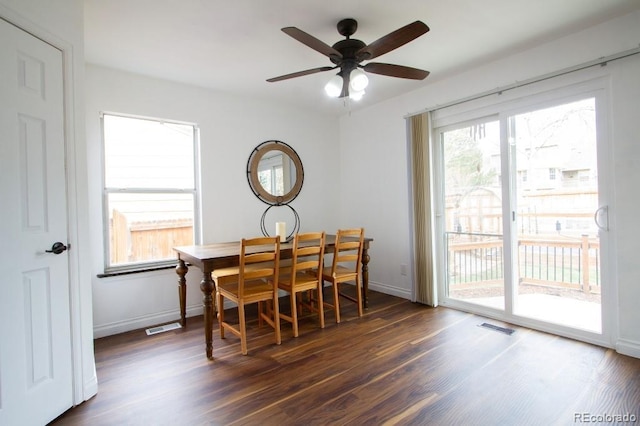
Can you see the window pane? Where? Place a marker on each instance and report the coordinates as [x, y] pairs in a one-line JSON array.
[[142, 153], [146, 227], [473, 214]]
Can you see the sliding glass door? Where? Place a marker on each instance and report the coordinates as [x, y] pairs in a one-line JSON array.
[[556, 196], [518, 198]]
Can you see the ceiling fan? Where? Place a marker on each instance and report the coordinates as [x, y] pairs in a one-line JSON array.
[[348, 55]]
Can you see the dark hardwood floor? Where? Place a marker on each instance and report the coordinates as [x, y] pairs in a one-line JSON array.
[[401, 364]]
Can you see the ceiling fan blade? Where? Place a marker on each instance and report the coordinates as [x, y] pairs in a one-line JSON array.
[[395, 70], [300, 74], [392, 40], [312, 42]]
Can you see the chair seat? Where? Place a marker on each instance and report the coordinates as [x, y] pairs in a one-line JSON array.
[[341, 274], [230, 274], [226, 275], [257, 290], [304, 281]]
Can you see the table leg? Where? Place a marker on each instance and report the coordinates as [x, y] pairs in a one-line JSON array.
[[182, 270], [365, 276], [207, 286]]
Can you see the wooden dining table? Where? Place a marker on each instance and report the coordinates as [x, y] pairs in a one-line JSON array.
[[210, 257]]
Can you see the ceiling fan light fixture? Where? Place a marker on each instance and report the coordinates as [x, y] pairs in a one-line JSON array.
[[356, 95], [334, 86], [358, 80], [349, 53]]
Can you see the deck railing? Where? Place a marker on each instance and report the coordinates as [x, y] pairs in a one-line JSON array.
[[478, 259]]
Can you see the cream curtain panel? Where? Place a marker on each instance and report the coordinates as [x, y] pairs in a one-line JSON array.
[[424, 282]]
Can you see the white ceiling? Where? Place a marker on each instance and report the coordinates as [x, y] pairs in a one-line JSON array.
[[235, 45]]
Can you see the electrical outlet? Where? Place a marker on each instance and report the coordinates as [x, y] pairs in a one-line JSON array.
[[403, 269]]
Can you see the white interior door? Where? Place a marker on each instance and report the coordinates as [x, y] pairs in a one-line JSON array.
[[35, 337]]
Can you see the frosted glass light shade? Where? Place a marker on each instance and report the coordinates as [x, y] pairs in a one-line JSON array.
[[356, 95], [334, 86], [358, 80]]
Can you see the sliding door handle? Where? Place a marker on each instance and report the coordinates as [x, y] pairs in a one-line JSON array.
[[597, 215]]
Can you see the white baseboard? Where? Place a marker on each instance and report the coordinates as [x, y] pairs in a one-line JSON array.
[[174, 314], [143, 321], [393, 291], [628, 347]]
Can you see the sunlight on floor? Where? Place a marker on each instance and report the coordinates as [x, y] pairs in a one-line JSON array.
[[564, 311]]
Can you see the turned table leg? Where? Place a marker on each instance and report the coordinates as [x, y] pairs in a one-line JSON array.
[[365, 277], [182, 270], [207, 286]]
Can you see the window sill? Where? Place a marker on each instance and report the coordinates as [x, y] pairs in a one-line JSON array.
[[140, 270]]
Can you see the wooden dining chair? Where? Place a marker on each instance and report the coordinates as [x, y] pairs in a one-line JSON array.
[[253, 281], [304, 275], [345, 267]]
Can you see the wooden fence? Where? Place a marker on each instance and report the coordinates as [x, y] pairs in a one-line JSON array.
[[147, 240]]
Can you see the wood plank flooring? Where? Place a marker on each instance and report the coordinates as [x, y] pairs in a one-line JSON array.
[[401, 364]]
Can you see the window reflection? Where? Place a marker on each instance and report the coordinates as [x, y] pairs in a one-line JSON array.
[[275, 173]]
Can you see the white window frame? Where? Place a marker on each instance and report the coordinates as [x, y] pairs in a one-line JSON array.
[[195, 192], [549, 92]]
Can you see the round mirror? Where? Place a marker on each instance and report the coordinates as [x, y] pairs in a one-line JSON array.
[[275, 172]]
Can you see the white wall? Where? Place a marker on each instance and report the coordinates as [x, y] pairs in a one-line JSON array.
[[378, 181], [230, 128], [372, 174], [61, 24]]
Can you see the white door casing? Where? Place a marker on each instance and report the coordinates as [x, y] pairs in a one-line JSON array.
[[35, 330]]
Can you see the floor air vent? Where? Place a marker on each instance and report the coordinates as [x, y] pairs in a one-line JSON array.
[[507, 331], [162, 328]]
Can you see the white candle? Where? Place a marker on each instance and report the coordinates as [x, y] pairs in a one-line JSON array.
[[281, 231]]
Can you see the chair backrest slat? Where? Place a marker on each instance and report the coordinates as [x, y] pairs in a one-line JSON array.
[[348, 249], [308, 253], [259, 260]]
